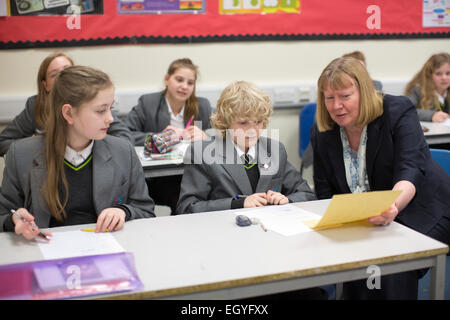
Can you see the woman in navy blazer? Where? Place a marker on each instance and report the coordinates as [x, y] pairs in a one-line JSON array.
[[365, 141], [173, 109]]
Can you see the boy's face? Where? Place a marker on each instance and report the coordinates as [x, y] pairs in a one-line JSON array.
[[246, 132]]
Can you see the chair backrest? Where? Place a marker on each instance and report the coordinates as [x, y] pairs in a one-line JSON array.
[[306, 122], [442, 157]]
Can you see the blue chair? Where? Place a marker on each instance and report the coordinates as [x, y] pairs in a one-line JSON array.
[[442, 157], [306, 122]]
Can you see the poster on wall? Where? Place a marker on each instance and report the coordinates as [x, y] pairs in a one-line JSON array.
[[47, 23], [436, 13], [259, 6], [54, 7], [160, 6]]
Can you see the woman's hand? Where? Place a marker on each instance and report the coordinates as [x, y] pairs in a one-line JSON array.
[[111, 219], [28, 229], [276, 198], [439, 116], [255, 200], [386, 217]]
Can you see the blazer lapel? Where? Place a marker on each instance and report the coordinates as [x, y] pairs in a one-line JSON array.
[[162, 116], [373, 144], [233, 166], [103, 176], [266, 163], [335, 154]]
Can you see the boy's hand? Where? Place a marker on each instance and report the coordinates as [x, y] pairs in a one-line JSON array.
[[276, 198], [255, 200]]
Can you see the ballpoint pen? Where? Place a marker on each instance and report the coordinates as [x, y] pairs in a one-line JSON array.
[[189, 122], [33, 226]]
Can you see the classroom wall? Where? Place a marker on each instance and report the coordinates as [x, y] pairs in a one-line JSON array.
[[142, 67]]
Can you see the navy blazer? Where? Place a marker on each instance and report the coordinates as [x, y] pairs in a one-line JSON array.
[[396, 150], [152, 115]]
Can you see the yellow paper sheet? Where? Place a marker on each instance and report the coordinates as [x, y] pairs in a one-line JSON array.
[[345, 208]]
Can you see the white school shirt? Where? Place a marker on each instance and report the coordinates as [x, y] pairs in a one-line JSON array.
[[176, 121]]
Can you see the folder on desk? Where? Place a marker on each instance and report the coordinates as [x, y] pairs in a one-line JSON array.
[[70, 277], [353, 207]]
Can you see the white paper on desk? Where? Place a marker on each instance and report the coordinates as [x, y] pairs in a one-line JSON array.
[[79, 243], [446, 122], [285, 219]]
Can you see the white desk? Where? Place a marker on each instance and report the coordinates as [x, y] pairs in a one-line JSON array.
[[438, 132], [160, 168], [207, 256]]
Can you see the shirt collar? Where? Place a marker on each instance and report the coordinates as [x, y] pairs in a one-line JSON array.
[[172, 115], [441, 98], [251, 151], [77, 158]]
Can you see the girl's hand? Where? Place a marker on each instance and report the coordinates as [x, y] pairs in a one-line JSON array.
[[111, 219], [276, 198], [439, 116], [178, 131], [29, 230], [194, 133], [255, 200]]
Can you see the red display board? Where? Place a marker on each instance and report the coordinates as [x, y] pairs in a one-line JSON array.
[[317, 19]]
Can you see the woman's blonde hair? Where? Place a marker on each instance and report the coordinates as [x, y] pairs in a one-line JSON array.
[[241, 100], [424, 80], [191, 107], [40, 112], [341, 73], [74, 86]]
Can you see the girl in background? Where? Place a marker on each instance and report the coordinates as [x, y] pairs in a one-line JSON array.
[[171, 109], [32, 119], [428, 90]]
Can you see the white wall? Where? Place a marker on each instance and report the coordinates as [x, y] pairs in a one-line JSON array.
[[142, 67]]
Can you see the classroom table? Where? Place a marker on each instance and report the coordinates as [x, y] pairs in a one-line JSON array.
[[207, 256], [160, 168], [437, 132]]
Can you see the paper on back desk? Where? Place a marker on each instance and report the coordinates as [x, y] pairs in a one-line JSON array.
[[285, 219], [79, 243], [352, 207]]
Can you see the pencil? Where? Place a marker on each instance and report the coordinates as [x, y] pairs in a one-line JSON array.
[[91, 229]]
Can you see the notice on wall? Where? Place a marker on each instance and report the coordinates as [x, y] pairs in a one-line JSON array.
[[436, 13], [54, 7], [259, 6], [160, 6]]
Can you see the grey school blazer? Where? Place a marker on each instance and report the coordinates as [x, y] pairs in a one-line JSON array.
[[214, 175], [424, 114], [118, 178], [24, 125], [152, 115]]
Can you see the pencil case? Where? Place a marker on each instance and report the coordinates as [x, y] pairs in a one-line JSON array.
[[161, 142]]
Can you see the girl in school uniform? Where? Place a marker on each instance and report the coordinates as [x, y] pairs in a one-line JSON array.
[[32, 119], [74, 173], [428, 90], [239, 168], [171, 109]]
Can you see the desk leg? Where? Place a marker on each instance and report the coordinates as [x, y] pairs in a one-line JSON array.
[[339, 290], [437, 278]]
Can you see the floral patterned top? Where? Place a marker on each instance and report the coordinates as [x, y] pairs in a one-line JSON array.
[[355, 163]]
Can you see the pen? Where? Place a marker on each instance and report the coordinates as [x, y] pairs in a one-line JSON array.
[[32, 224], [189, 122], [90, 229]]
